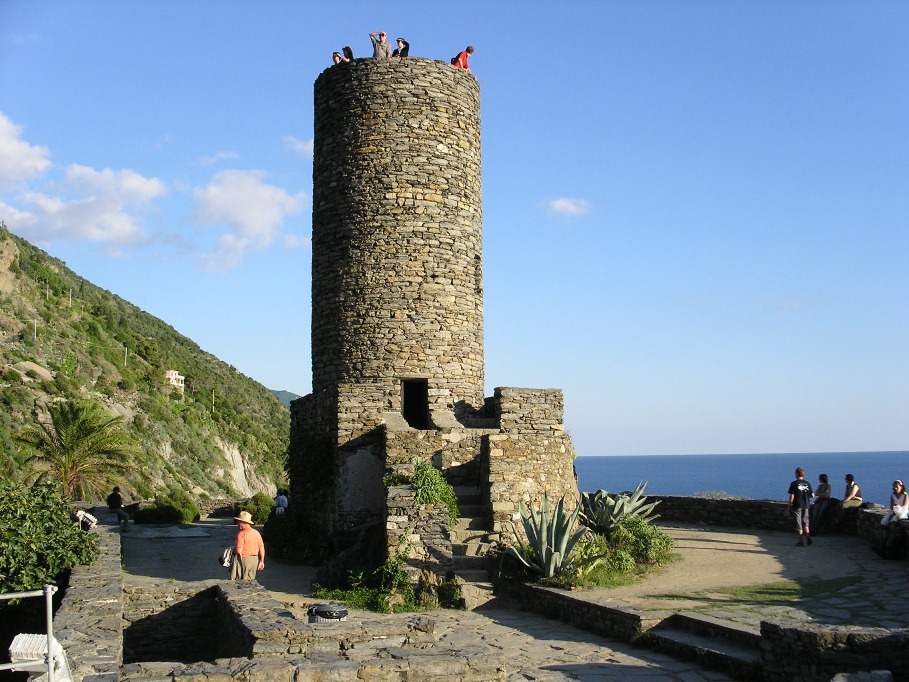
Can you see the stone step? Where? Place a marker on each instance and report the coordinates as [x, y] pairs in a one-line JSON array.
[[476, 594], [468, 495], [476, 548], [469, 511], [717, 628], [469, 536], [468, 562], [470, 523], [713, 643], [471, 575]]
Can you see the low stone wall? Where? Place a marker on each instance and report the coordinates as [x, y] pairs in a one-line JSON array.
[[612, 619], [420, 531], [239, 630], [89, 623], [221, 507], [815, 653], [762, 514]]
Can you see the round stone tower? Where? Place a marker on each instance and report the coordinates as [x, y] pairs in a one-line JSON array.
[[397, 295]]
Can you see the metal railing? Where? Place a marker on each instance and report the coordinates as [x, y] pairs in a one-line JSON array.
[[52, 646]]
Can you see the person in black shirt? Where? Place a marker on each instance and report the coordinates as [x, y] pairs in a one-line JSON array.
[[800, 494], [115, 504]]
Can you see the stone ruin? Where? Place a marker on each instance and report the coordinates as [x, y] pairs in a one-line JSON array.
[[397, 326]]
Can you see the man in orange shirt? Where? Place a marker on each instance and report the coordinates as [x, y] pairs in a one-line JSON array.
[[249, 550]]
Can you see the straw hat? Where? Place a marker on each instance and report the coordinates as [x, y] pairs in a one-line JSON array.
[[245, 517]]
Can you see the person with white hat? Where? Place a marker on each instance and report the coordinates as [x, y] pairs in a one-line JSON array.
[[249, 550]]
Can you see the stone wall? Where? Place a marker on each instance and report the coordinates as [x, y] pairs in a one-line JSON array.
[[397, 287], [763, 514], [521, 469], [419, 532], [529, 410], [458, 453], [89, 623], [247, 632], [815, 653]]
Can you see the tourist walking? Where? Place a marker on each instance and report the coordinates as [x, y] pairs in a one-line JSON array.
[[115, 504], [249, 550], [800, 494], [380, 49]]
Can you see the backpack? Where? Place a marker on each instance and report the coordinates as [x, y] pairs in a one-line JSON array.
[[454, 60], [227, 556]]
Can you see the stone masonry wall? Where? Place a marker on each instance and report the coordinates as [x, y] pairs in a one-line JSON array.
[[529, 410], [457, 453], [397, 230], [815, 653], [420, 532], [521, 468]]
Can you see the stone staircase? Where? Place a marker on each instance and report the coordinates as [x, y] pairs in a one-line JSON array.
[[470, 541], [714, 643]]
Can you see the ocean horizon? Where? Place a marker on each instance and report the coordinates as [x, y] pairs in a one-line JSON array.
[[759, 476]]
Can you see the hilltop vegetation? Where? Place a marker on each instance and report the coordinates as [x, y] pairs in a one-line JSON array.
[[63, 338]]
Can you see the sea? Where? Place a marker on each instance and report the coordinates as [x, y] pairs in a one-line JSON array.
[[756, 476]]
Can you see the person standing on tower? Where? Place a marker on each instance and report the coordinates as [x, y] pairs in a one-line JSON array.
[[380, 49]]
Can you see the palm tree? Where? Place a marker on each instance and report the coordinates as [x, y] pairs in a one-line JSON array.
[[80, 446]]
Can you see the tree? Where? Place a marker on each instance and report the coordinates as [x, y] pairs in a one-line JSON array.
[[80, 447]]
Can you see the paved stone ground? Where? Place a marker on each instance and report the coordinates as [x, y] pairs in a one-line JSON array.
[[848, 584], [535, 648]]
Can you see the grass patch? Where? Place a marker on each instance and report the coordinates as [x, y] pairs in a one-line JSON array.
[[783, 593]]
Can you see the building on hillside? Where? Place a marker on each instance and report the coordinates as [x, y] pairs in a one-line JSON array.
[[397, 319], [175, 379]]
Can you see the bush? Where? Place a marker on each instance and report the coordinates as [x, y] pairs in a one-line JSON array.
[[432, 488], [645, 543], [260, 506], [38, 539], [173, 506]]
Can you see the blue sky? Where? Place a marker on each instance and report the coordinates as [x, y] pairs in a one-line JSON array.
[[696, 214]]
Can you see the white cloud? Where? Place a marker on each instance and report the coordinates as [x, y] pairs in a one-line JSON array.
[[100, 206], [569, 208], [19, 160], [216, 157], [295, 241], [252, 210], [299, 147]]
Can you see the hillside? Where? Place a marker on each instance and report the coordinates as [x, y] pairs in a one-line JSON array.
[[62, 337]]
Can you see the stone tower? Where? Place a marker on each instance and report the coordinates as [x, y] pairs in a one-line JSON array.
[[397, 297], [397, 317]]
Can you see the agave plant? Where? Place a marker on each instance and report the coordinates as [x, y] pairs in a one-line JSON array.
[[550, 540], [602, 510]]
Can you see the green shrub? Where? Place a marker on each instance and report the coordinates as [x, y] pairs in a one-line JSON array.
[[620, 561], [259, 505], [159, 513], [432, 488], [38, 540], [173, 506], [645, 543]]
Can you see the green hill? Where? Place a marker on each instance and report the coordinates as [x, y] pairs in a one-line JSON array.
[[62, 337]]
